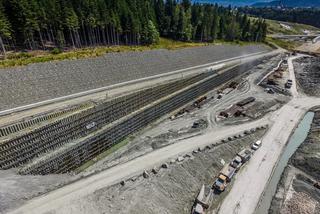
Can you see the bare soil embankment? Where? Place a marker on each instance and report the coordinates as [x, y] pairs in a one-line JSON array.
[[296, 192], [308, 75]]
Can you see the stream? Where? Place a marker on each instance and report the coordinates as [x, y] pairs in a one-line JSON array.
[[298, 137]]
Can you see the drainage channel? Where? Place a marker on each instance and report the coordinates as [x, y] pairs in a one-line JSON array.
[[298, 137]]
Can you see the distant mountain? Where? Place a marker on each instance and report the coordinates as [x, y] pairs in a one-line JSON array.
[[265, 3], [233, 2], [289, 3]]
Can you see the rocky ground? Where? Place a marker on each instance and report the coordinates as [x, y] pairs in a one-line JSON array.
[[16, 189], [168, 131], [308, 75], [158, 135], [296, 192], [169, 190], [42, 81]]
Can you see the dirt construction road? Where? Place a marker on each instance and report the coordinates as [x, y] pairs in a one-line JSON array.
[[248, 186], [85, 186], [250, 183]]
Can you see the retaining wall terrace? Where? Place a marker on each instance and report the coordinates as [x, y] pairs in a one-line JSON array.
[[30, 144], [73, 155]]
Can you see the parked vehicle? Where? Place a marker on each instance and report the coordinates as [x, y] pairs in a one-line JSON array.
[[245, 155], [256, 145], [224, 177], [288, 84], [236, 163], [269, 91], [220, 183], [198, 209]]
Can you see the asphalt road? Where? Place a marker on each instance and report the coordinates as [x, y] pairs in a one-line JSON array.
[[43, 81]]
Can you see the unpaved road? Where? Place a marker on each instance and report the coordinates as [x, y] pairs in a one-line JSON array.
[[294, 90], [85, 186], [250, 183]]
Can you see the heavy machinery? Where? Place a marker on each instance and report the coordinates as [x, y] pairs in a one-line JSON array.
[[245, 155], [224, 178], [236, 163]]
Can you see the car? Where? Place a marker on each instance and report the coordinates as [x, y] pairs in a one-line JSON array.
[[256, 145]]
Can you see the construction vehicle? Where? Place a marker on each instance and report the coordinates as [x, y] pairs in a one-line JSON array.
[[224, 178], [245, 155], [236, 163], [288, 84]]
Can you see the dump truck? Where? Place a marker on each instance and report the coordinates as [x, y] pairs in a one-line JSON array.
[[224, 178], [245, 155]]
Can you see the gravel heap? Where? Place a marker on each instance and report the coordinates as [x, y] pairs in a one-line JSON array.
[[37, 82]]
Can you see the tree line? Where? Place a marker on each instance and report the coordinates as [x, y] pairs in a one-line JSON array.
[[44, 24], [309, 16]]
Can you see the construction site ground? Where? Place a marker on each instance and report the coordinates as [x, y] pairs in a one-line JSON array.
[[170, 190], [159, 135], [308, 76], [167, 131], [296, 192]]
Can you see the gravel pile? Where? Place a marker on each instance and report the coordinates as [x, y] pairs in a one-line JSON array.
[[37, 82]]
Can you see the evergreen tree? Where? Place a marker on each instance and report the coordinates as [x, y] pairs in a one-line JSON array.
[[5, 29], [34, 24], [150, 34]]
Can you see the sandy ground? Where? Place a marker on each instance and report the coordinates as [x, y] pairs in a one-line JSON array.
[[310, 47]]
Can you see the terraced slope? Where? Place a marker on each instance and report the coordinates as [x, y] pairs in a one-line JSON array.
[[43, 81]]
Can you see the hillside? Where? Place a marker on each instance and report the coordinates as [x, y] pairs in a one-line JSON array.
[[289, 3], [288, 28], [232, 2]]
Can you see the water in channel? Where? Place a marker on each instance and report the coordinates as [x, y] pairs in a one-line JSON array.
[[298, 137]]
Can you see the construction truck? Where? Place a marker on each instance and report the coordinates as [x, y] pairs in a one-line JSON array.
[[224, 178], [236, 163], [245, 155]]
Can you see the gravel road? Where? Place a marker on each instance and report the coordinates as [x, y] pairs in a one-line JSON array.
[[38, 82], [243, 200], [86, 186]]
